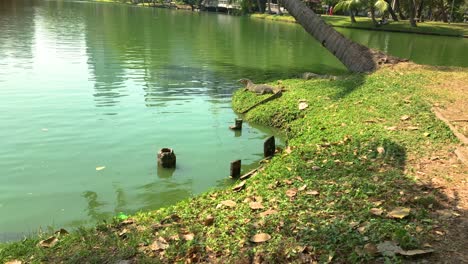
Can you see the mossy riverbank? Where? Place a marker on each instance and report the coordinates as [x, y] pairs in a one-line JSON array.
[[352, 158], [426, 28]]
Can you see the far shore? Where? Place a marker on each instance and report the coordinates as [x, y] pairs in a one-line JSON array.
[[363, 23]]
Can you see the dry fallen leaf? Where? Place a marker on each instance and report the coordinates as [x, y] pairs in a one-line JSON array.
[[288, 150], [123, 233], [370, 249], [61, 232], [259, 238], [380, 150], [299, 178], [100, 168], [288, 182], [209, 220], [15, 261], [229, 203], [391, 128], [267, 212], [388, 248], [302, 188], [303, 105], [415, 252], [362, 228], [258, 199], [399, 212], [291, 192], [49, 242], [128, 221], [377, 203], [313, 192], [255, 205], [239, 186], [376, 211], [405, 117], [411, 128], [159, 244], [188, 236]]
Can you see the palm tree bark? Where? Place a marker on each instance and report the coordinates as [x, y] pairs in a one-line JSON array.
[[391, 11], [356, 57]]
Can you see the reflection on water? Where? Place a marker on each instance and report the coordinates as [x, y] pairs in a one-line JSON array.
[[165, 173], [86, 85], [94, 206], [162, 193]]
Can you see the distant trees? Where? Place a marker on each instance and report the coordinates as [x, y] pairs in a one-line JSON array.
[[413, 10]]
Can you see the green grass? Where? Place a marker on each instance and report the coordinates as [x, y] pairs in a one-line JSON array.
[[340, 147], [454, 29]]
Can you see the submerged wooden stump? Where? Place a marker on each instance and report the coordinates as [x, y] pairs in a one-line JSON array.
[[235, 169], [167, 158], [269, 147], [238, 124]]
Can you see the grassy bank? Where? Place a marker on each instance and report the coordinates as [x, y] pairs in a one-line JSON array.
[[328, 197], [436, 28]]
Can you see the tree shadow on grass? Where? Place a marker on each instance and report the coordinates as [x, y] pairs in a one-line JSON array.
[[348, 85], [345, 84], [339, 221]]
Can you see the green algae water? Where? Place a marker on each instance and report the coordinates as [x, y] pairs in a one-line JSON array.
[[90, 92]]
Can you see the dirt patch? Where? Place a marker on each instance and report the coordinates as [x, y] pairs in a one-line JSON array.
[[446, 174], [446, 170], [452, 89]]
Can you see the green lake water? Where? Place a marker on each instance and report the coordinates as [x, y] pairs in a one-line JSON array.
[[84, 85]]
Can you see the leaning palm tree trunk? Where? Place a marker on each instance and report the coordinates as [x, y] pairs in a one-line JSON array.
[[356, 57]]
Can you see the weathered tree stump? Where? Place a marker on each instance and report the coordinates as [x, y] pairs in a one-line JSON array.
[[238, 124], [235, 169], [269, 147], [167, 158]]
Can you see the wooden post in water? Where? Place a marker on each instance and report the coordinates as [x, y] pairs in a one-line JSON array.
[[269, 147], [238, 124], [235, 169], [167, 158]]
